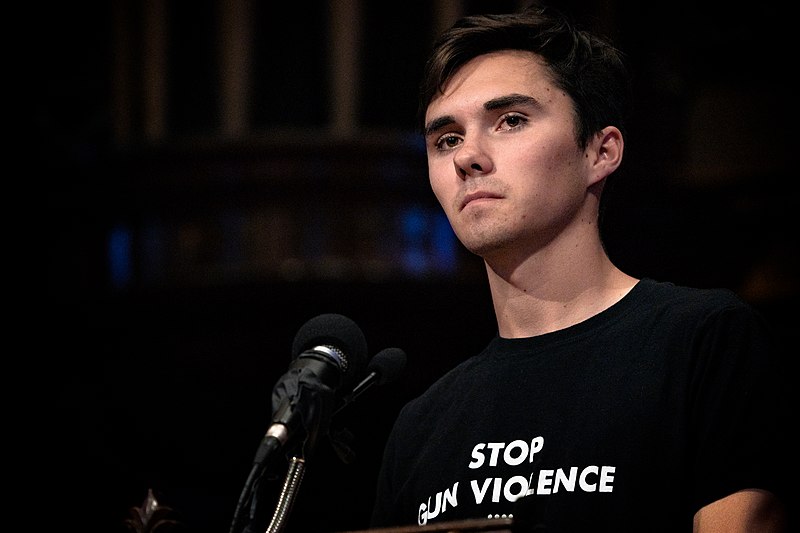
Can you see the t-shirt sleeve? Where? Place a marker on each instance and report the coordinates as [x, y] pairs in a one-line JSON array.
[[738, 406]]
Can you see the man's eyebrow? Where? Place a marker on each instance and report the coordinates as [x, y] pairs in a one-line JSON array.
[[438, 123], [510, 100]]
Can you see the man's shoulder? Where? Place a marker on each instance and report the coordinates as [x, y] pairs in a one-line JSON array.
[[677, 306], [670, 293]]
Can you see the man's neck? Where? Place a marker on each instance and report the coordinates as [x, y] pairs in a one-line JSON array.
[[543, 295]]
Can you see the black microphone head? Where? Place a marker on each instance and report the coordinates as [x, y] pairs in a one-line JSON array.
[[387, 364], [335, 330]]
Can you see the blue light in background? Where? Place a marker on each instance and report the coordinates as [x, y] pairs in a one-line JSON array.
[[429, 244], [412, 228], [120, 257], [444, 244]]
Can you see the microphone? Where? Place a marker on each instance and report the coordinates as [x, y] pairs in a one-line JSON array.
[[384, 367], [329, 351]]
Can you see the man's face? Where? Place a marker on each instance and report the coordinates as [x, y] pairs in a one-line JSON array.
[[503, 160]]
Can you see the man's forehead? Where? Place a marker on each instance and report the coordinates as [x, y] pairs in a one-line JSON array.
[[490, 78]]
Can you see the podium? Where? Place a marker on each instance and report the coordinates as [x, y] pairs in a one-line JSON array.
[[485, 525]]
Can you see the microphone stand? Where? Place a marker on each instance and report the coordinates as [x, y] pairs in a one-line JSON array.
[[288, 495], [293, 478], [313, 424], [315, 419], [291, 486]]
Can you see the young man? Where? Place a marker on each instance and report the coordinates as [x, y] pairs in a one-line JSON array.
[[605, 402]]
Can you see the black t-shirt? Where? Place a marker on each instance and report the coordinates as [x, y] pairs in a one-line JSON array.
[[629, 421]]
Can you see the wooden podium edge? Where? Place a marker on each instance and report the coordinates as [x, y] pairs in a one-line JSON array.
[[486, 525]]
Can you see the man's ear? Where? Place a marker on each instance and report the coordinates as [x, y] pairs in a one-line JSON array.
[[605, 153]]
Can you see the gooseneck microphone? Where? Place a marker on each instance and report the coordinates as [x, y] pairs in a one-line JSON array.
[[384, 367], [329, 353]]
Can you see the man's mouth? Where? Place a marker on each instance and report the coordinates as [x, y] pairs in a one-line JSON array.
[[475, 196]]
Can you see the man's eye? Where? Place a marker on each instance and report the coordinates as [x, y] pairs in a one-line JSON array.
[[513, 121], [448, 141]]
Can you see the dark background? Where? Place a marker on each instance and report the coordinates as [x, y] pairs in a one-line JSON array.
[[180, 267]]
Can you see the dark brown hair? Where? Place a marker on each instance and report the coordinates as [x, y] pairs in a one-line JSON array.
[[587, 67]]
